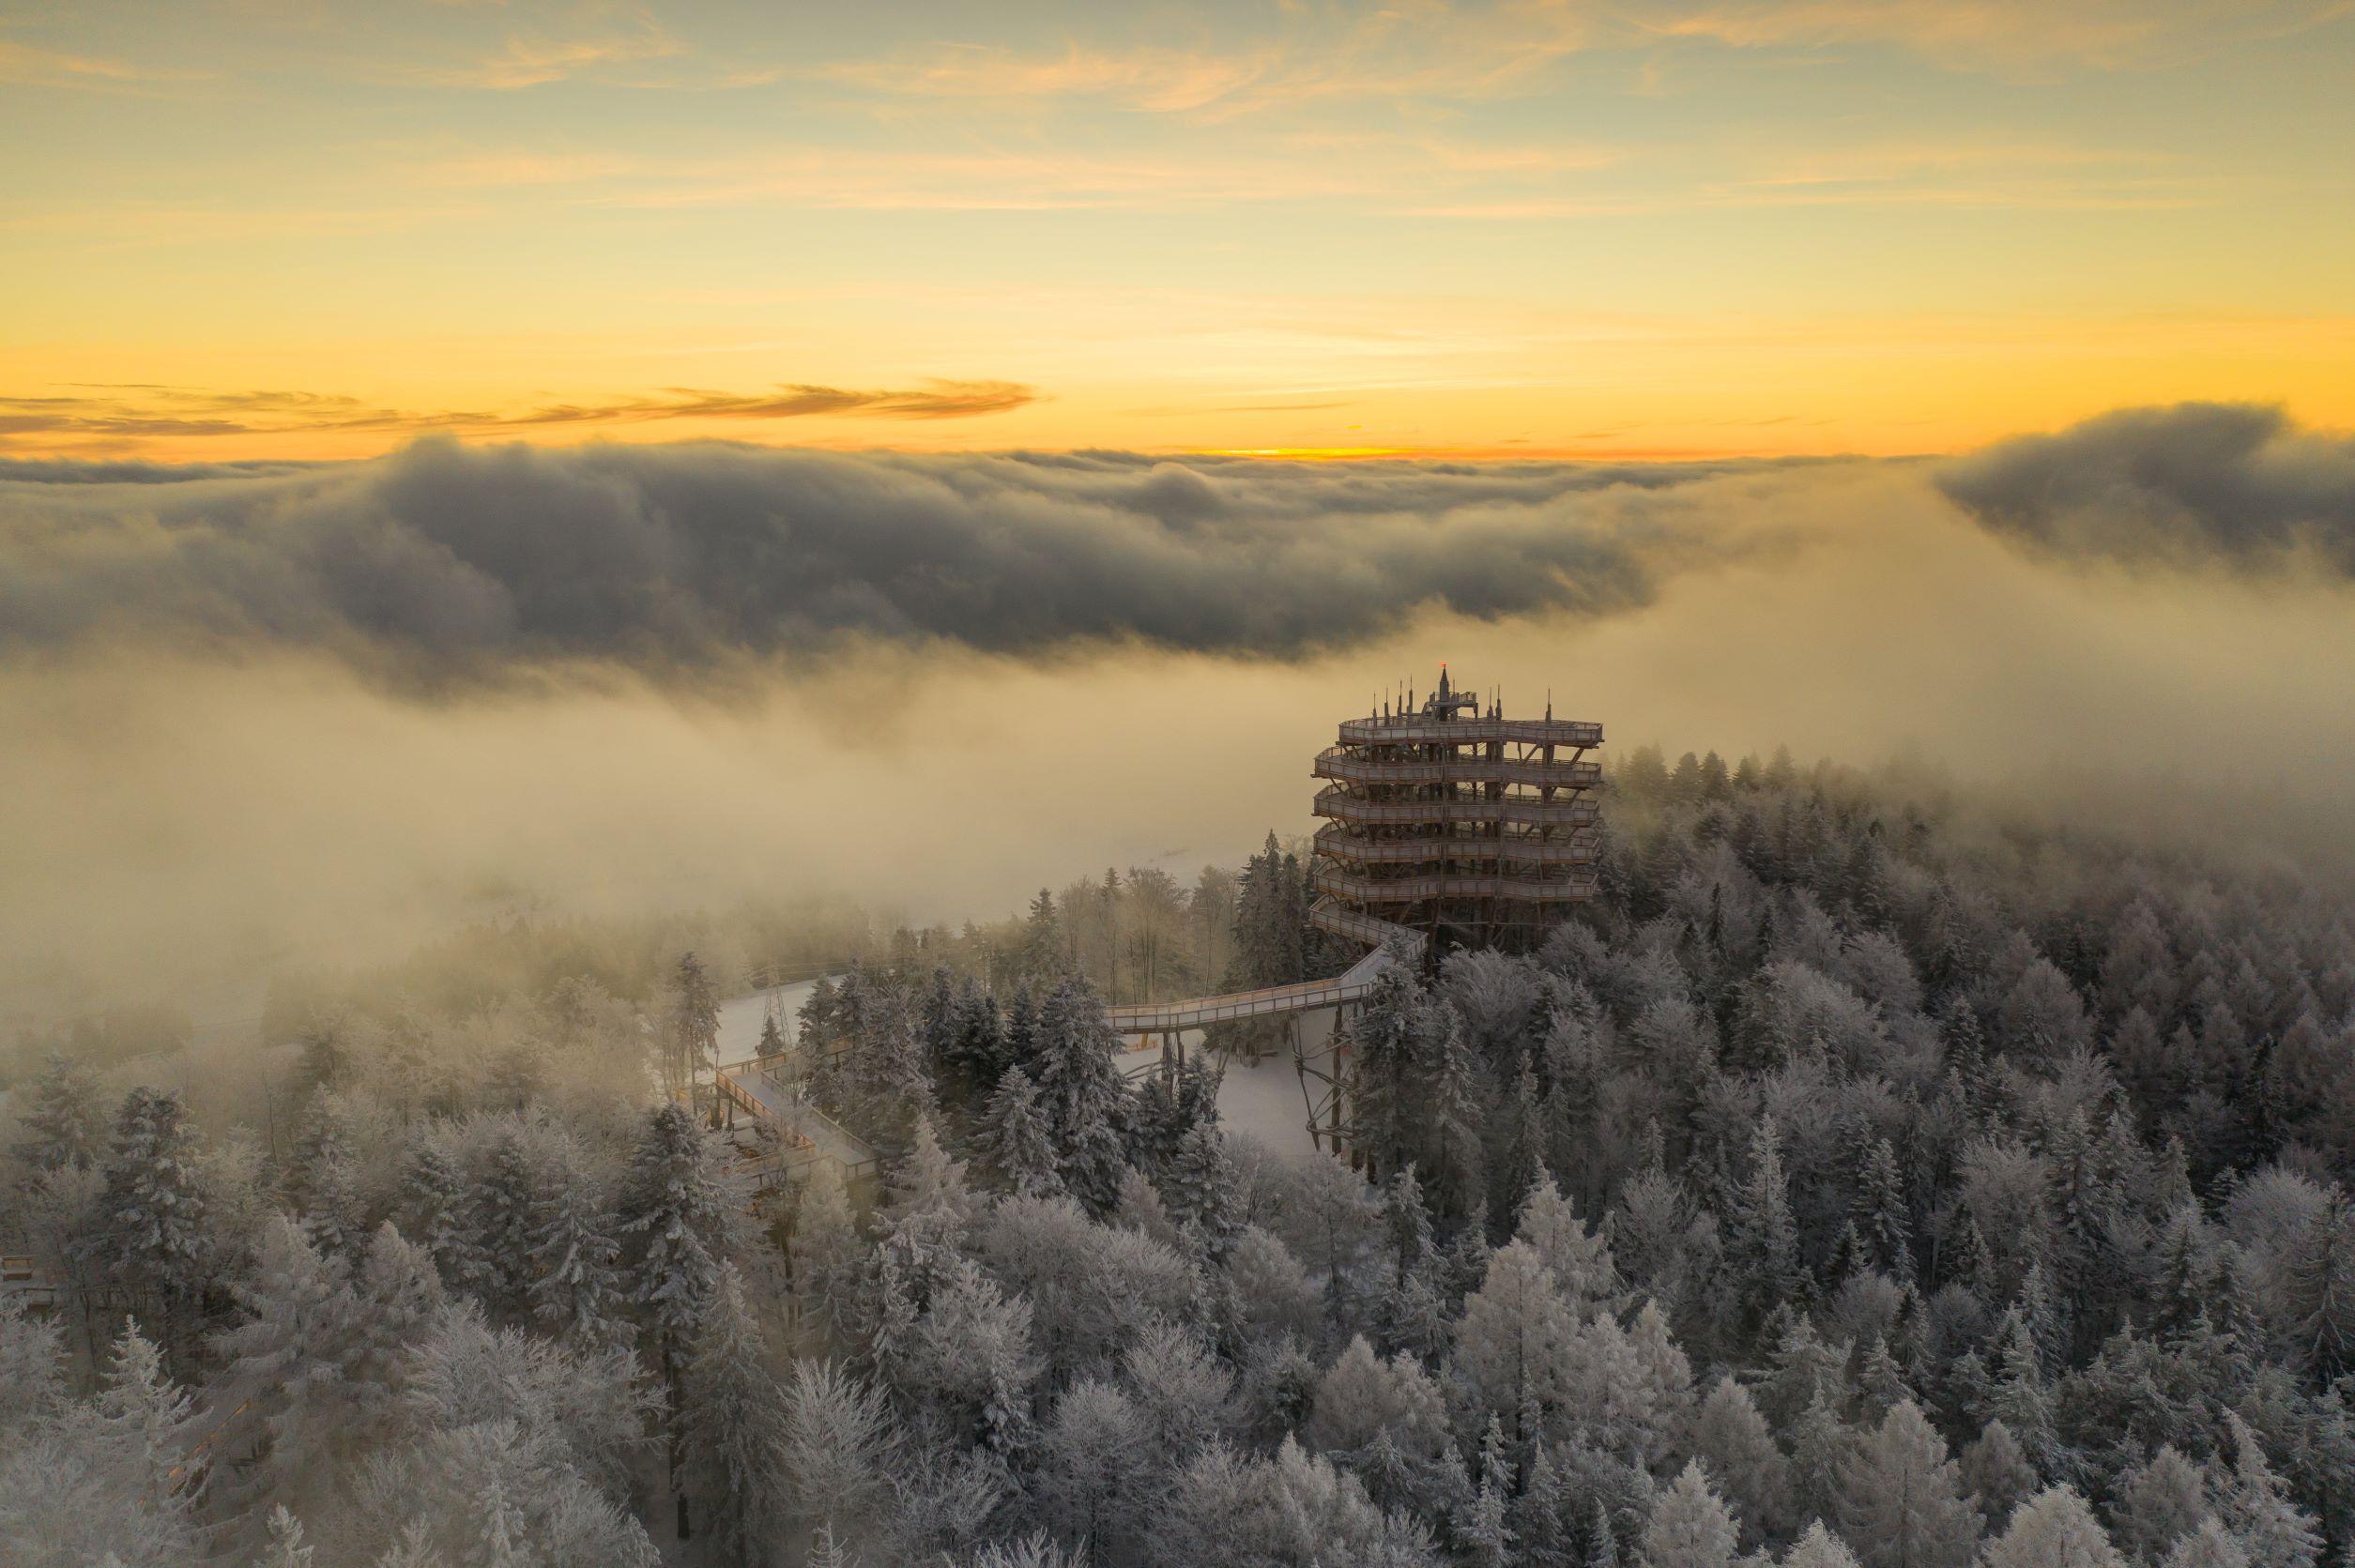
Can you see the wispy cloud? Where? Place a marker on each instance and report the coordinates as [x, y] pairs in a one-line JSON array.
[[935, 400], [2005, 34], [1369, 167], [23, 65], [135, 412], [2029, 177], [559, 50], [1407, 50], [1435, 50]]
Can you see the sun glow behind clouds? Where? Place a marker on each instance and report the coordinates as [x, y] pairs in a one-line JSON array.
[[1775, 226]]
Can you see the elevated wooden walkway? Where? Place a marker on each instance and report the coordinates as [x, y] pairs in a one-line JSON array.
[[804, 1134], [1353, 985]]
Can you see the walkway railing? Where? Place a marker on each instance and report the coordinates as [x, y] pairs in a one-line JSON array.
[[1578, 847], [1336, 762], [760, 1087], [1353, 985], [1341, 805], [1415, 730], [1573, 889]]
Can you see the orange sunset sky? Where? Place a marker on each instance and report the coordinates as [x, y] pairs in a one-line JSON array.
[[316, 229]]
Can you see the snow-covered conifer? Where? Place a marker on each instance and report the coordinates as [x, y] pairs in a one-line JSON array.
[[574, 1284], [2052, 1529], [294, 1357], [2256, 1506], [732, 1427], [1900, 1498], [1690, 1527], [2157, 1503], [672, 1217], [1818, 1547], [60, 1116], [1731, 1438], [153, 1242], [1512, 1341], [1015, 1138], [1997, 1473]]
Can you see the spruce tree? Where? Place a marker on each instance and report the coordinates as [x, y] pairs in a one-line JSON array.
[[672, 1214], [1385, 1057], [294, 1357], [1200, 1189], [141, 1425], [1690, 1526], [1456, 1164], [1543, 1528], [825, 1255], [732, 1420], [152, 1242], [399, 1301], [575, 1287], [2256, 1507], [1602, 1539], [60, 1116], [1015, 1139], [694, 1029], [432, 1208], [1081, 1096], [1483, 1538], [499, 1219], [672, 1217], [1762, 1244], [1878, 1209], [2318, 1288]]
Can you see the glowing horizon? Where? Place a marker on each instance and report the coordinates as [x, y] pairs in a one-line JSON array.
[[1746, 228]]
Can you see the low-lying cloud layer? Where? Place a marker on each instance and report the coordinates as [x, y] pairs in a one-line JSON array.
[[259, 715], [2193, 485], [446, 562]]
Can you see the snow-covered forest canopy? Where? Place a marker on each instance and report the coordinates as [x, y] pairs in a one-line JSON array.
[[1866, 1176]]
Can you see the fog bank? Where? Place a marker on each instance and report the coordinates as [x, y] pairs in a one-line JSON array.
[[179, 805]]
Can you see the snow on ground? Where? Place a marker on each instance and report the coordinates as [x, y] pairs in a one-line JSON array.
[[1261, 1102], [1264, 1104], [739, 1017]]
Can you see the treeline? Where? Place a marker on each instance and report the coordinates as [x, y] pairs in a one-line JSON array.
[[105, 1039], [497, 964]]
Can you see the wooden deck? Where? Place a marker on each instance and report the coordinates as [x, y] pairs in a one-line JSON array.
[[804, 1132]]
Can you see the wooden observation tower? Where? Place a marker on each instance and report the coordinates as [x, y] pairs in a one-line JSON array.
[[1455, 823]]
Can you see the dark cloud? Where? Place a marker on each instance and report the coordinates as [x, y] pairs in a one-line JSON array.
[[140, 411], [2193, 484], [448, 562], [35, 471]]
